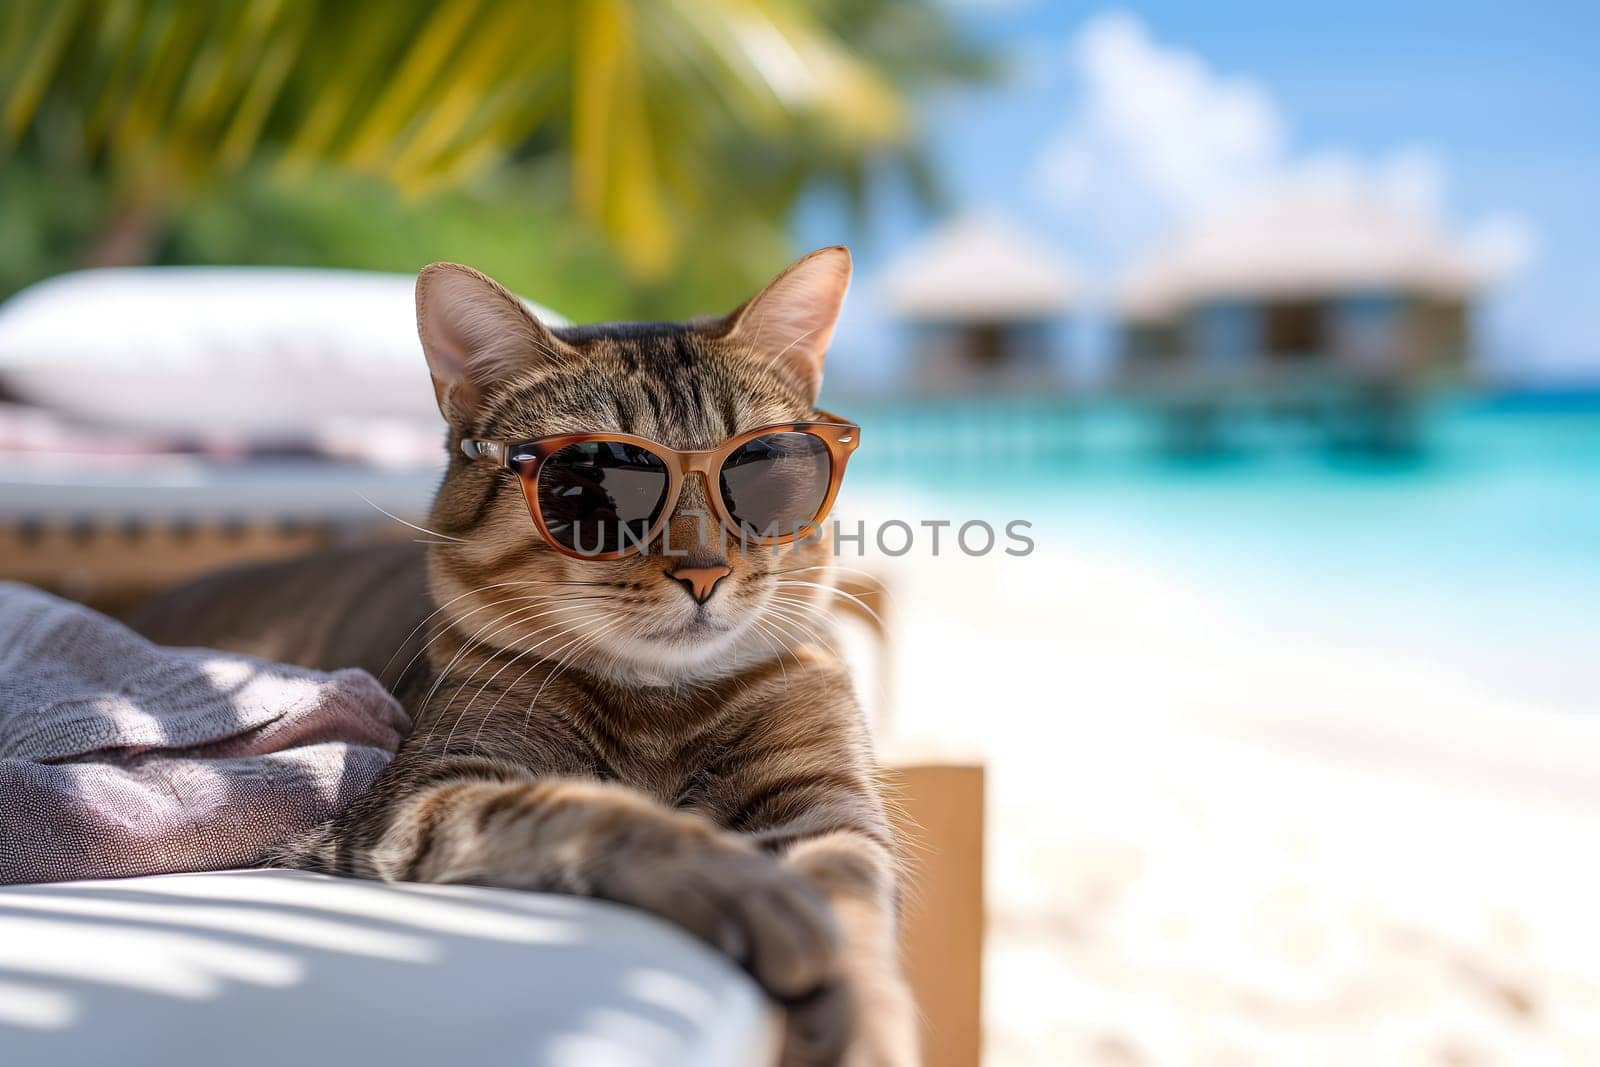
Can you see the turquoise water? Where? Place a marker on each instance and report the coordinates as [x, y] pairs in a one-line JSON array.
[[1484, 546]]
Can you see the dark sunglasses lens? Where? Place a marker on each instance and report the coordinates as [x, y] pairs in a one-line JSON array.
[[775, 484], [601, 496]]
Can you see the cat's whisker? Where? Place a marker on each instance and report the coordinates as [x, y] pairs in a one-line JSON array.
[[784, 591], [782, 624], [426, 645], [819, 625], [427, 701], [540, 611], [471, 643], [803, 633], [485, 716], [458, 709], [880, 587], [807, 604], [810, 625], [567, 625], [567, 581], [412, 525], [502, 623], [417, 629], [783, 582], [595, 638], [767, 635], [434, 613], [804, 627]]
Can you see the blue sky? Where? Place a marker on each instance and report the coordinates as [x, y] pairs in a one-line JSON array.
[[1116, 125]]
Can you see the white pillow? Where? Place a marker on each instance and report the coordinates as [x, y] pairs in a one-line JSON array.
[[254, 352]]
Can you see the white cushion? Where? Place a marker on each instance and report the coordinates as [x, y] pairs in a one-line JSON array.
[[236, 351], [266, 968]]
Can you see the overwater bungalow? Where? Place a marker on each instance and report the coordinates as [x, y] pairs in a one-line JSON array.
[[1319, 301], [1316, 280], [985, 307]]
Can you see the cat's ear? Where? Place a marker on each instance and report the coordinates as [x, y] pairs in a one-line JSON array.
[[475, 333], [789, 324]]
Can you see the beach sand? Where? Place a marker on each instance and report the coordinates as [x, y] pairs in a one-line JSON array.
[[1211, 842]]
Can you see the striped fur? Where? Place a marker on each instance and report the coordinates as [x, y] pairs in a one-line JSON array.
[[582, 727]]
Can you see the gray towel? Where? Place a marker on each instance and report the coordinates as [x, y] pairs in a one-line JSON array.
[[119, 757]]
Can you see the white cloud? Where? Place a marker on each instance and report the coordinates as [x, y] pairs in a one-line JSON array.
[[1504, 243], [1160, 137], [1183, 131]]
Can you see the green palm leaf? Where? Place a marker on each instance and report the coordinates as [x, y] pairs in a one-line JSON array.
[[665, 111]]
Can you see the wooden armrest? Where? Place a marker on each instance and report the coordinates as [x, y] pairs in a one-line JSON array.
[[938, 811]]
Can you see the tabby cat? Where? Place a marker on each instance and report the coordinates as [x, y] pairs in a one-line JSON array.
[[668, 729]]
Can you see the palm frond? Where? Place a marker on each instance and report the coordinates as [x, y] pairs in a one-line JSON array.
[[666, 112]]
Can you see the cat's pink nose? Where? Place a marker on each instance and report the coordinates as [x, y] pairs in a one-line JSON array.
[[700, 581]]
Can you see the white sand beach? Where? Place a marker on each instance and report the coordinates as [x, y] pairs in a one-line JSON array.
[[1216, 843]]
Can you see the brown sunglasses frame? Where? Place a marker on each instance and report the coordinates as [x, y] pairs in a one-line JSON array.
[[840, 437]]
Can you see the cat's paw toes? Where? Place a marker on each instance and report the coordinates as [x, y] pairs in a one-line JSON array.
[[817, 1029], [794, 942], [775, 923]]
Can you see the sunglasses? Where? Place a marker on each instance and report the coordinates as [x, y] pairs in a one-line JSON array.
[[608, 495]]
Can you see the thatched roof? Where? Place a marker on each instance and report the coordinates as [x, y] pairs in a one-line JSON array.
[[1299, 243], [979, 269]]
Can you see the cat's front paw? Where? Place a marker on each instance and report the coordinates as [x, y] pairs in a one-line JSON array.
[[817, 1029], [860, 1020], [866, 1018], [773, 922]]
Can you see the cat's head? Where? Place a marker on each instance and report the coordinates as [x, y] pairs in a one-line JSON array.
[[500, 373]]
